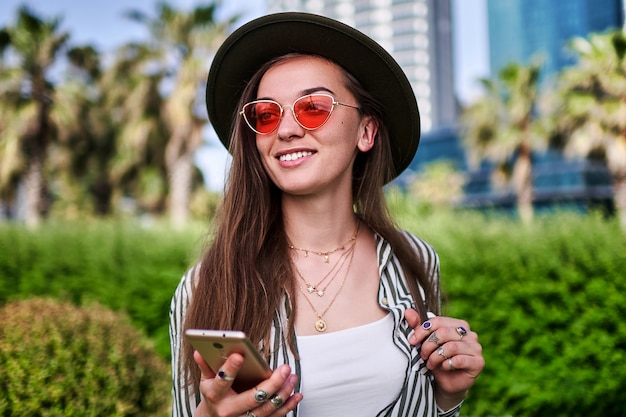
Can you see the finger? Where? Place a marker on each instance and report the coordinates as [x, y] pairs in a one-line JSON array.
[[460, 334], [450, 363], [261, 394], [283, 401], [458, 373], [289, 405], [440, 357], [222, 380], [412, 317], [443, 335], [470, 364], [205, 370], [436, 323], [414, 320], [278, 400]]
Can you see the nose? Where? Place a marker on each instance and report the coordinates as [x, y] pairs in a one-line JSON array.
[[288, 126]]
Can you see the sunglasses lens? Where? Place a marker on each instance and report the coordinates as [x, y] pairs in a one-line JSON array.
[[262, 116], [312, 111]]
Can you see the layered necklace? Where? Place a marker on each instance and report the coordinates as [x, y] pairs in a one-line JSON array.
[[320, 324], [327, 253], [316, 288]]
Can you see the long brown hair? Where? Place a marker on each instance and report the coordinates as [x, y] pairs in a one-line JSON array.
[[246, 271]]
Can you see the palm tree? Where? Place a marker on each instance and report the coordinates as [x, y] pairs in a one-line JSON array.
[[11, 105], [26, 94], [110, 139], [502, 127], [591, 118], [81, 161], [184, 42], [132, 100]]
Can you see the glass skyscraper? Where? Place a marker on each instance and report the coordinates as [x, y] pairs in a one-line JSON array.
[[520, 30]]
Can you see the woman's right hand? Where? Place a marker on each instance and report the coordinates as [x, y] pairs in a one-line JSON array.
[[273, 397]]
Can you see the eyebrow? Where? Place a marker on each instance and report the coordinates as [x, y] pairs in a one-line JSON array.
[[305, 92]]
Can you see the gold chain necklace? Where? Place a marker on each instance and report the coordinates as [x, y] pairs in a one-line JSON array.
[[315, 288], [320, 324], [326, 254]]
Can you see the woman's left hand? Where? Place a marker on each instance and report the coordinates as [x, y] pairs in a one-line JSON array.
[[451, 351]]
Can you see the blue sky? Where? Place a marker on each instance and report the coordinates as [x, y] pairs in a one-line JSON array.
[[102, 24]]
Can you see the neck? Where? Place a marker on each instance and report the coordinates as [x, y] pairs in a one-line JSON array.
[[318, 225]]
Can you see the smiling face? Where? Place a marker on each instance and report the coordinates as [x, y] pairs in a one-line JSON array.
[[301, 161]]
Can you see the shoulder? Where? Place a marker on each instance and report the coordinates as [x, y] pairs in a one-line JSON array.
[[426, 253], [423, 248], [419, 251], [184, 289]]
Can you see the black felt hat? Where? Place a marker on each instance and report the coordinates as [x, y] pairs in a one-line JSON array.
[[274, 35]]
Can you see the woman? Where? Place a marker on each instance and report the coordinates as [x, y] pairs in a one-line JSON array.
[[305, 258]]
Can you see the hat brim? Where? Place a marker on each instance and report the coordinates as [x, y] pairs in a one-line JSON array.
[[274, 35]]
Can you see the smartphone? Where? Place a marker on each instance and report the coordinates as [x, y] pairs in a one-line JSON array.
[[216, 345]]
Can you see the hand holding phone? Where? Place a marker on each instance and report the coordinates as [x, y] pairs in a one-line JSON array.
[[216, 345]]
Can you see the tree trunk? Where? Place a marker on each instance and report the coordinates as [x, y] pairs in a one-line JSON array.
[[35, 145], [102, 192], [33, 185], [185, 136], [179, 153], [523, 185], [180, 174]]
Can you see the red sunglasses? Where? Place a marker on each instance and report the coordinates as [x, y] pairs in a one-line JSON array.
[[310, 111]]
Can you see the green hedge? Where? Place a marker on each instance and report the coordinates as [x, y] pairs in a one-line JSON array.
[[59, 360], [120, 265], [548, 300]]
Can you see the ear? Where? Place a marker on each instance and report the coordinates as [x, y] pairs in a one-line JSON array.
[[369, 129]]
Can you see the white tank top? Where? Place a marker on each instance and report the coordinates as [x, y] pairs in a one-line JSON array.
[[352, 372]]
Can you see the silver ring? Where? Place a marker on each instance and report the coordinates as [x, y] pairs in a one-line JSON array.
[[260, 396], [250, 414], [452, 368], [276, 400], [461, 331], [441, 352], [222, 375], [433, 338]]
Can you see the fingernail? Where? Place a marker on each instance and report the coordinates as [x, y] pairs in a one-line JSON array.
[[412, 339], [285, 371]]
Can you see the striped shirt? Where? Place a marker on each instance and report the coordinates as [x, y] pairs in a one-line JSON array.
[[417, 397]]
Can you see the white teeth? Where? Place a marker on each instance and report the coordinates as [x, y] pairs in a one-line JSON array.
[[294, 156]]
